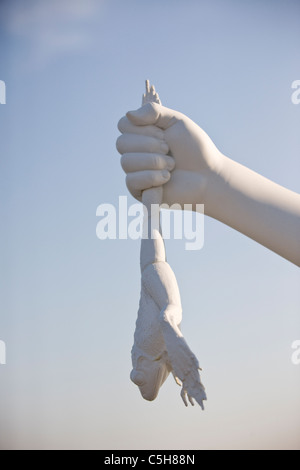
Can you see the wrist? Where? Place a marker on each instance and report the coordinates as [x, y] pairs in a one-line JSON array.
[[215, 181]]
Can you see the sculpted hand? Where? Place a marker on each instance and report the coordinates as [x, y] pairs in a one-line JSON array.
[[156, 141]]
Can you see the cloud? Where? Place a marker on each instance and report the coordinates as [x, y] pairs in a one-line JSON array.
[[51, 29]]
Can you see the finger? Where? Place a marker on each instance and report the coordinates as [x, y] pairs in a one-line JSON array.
[[129, 143], [177, 380], [153, 113], [201, 405], [147, 86], [183, 396], [125, 126], [200, 396], [191, 400], [133, 162], [139, 181]]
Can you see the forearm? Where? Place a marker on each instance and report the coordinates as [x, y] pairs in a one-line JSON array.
[[257, 207]]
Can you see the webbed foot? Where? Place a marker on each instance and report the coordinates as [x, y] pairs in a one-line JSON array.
[[185, 368]]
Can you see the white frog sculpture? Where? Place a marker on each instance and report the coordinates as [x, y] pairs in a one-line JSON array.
[[159, 346]]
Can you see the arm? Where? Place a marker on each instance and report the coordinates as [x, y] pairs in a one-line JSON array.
[[257, 207]]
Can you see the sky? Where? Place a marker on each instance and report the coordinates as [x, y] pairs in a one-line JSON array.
[[69, 300]]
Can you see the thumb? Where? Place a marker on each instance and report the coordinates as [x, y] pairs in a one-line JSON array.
[[153, 113]]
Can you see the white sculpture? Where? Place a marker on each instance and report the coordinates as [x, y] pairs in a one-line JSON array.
[[164, 149], [2, 92], [159, 347]]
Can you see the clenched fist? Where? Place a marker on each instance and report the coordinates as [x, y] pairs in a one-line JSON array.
[[160, 146]]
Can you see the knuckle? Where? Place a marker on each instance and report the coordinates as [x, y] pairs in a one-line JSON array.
[[153, 177], [129, 182], [158, 162], [153, 145], [119, 144], [124, 161], [159, 134], [121, 124]]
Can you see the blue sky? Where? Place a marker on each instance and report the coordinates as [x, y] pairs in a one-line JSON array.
[[68, 300]]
